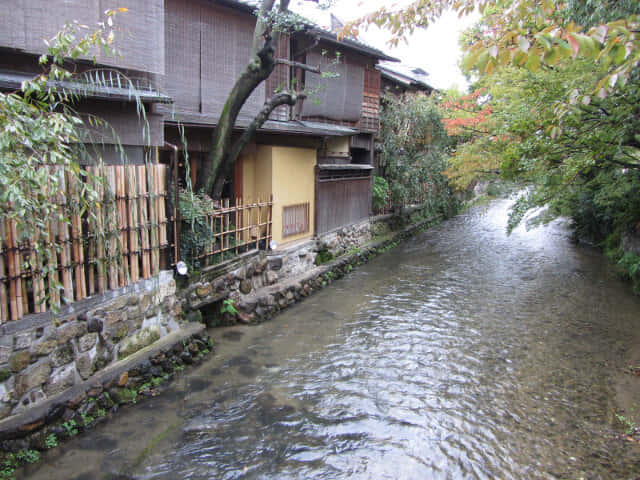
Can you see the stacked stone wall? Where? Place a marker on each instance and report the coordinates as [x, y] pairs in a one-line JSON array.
[[44, 355]]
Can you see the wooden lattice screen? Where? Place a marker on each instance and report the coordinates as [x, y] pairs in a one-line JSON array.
[[295, 219]]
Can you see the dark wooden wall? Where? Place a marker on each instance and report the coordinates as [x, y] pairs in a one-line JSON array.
[[338, 98], [207, 46], [341, 201], [139, 33]]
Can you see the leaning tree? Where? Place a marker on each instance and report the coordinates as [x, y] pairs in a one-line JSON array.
[[273, 19]]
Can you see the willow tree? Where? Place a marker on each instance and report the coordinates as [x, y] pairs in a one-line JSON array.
[[273, 19]]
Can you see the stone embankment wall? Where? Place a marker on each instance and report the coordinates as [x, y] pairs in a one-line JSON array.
[[53, 366], [44, 355]]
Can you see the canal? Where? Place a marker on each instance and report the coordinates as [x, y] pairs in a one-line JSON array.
[[462, 353]]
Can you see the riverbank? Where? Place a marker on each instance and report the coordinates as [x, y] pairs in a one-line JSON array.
[[150, 370]]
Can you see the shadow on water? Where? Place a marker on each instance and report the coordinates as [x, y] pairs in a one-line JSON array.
[[463, 353]]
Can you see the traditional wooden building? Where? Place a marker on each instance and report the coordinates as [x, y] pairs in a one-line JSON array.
[[182, 57], [133, 74], [315, 158], [398, 79]]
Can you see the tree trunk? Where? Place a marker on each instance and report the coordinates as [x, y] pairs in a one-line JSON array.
[[223, 153]]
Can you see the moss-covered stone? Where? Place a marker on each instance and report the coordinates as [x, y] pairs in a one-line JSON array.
[[4, 374], [138, 341], [19, 361], [120, 333]]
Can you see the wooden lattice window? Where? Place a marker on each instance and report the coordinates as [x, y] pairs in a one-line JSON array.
[[295, 219]]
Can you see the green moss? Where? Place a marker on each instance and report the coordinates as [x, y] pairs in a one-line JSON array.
[[324, 256], [4, 374]]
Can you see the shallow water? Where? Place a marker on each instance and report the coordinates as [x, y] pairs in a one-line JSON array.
[[462, 353]]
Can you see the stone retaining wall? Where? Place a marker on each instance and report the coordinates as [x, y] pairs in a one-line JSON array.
[[44, 355], [131, 380]]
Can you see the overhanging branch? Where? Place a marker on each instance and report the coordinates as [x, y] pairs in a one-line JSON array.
[[303, 66]]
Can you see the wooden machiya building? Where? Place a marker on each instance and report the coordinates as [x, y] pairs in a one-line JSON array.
[[183, 57], [316, 158], [135, 72]]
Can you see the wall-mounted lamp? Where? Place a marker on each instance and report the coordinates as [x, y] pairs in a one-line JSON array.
[[182, 268]]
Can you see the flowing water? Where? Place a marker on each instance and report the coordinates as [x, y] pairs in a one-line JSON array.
[[462, 353]]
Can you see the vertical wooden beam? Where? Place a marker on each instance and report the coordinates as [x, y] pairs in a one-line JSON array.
[[144, 221]]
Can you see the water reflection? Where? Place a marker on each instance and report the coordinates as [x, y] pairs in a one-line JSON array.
[[463, 353]]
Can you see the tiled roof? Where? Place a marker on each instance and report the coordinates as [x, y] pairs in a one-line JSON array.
[[405, 74], [316, 30]]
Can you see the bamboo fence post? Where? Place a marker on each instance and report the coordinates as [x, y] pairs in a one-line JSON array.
[[235, 215], [15, 289], [63, 238], [227, 224], [142, 184], [4, 305], [270, 220], [76, 238], [162, 213], [112, 225], [259, 231], [122, 223], [153, 218], [36, 275], [134, 240], [100, 218]]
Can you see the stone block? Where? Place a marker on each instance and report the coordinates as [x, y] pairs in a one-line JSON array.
[[87, 341], [43, 348], [275, 263], [62, 355], [246, 286], [271, 277], [70, 331], [261, 265], [85, 363], [94, 325], [33, 377], [138, 341], [116, 316], [203, 291], [23, 340], [19, 361], [6, 347], [60, 380]]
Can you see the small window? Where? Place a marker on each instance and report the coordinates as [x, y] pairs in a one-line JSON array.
[[295, 219]]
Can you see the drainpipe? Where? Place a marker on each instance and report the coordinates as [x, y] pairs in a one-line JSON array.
[[176, 212]]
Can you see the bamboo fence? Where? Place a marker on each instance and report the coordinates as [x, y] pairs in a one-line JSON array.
[[235, 229], [117, 245], [87, 254]]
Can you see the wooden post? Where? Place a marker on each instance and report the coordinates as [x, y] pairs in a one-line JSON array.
[[122, 223], [134, 224], [4, 305], [142, 202]]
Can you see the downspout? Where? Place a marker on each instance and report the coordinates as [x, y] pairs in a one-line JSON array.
[[176, 212]]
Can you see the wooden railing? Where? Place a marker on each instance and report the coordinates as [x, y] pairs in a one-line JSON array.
[[230, 229], [134, 242]]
